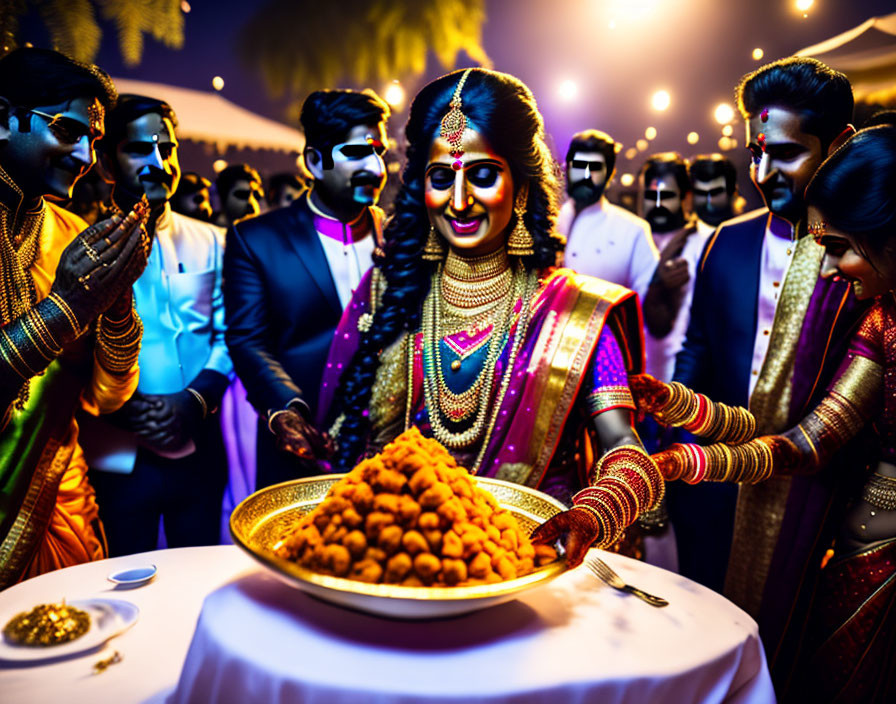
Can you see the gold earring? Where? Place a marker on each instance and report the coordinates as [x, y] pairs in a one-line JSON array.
[[520, 242], [434, 250]]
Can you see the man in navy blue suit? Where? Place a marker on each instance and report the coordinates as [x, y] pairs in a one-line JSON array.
[[767, 332], [288, 274]]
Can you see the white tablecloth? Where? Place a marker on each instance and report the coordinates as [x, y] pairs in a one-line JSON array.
[[258, 640], [573, 640], [152, 651]]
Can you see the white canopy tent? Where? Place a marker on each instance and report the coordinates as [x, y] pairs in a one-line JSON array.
[[867, 54], [211, 118]]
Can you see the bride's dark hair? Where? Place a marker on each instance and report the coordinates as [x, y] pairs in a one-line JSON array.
[[502, 109]]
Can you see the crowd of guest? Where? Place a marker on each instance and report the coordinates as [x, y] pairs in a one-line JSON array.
[[179, 344]]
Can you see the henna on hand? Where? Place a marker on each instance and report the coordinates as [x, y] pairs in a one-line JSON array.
[[580, 527]]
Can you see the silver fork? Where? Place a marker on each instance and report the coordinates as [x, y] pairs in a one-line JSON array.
[[604, 572]]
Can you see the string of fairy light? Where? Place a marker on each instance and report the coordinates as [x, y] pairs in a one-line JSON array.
[[567, 91]]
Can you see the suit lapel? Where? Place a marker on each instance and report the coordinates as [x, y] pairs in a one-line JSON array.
[[303, 239]]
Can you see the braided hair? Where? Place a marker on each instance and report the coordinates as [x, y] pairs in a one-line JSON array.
[[503, 110]]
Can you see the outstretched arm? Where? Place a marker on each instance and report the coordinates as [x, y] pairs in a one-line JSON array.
[[624, 483]]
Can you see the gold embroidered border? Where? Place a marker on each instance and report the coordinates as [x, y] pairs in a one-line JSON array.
[[760, 507], [610, 397], [862, 384], [28, 529], [567, 340]]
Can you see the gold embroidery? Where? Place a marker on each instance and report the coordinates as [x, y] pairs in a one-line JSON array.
[[610, 397], [760, 507]]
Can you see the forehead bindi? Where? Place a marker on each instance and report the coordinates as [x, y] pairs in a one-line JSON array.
[[778, 125]]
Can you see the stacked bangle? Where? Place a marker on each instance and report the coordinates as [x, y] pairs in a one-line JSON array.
[[697, 414], [77, 328], [625, 484], [118, 343]]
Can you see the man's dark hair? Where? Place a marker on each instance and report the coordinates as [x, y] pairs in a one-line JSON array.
[[282, 180], [666, 164], [821, 95], [329, 115], [706, 167], [593, 141], [128, 108], [31, 77], [228, 177]]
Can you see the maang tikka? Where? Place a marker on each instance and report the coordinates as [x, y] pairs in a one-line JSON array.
[[452, 131], [454, 123]]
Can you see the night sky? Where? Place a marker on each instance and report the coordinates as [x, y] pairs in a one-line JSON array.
[[695, 49]]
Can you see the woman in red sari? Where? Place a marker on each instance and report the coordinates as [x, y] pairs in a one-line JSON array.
[[849, 651], [465, 329]]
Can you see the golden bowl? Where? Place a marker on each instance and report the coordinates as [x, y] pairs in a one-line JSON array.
[[269, 515]]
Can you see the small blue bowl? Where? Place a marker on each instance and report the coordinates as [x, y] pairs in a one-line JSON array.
[[133, 576]]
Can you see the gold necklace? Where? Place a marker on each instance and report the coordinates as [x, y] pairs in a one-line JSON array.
[[477, 281], [434, 386]]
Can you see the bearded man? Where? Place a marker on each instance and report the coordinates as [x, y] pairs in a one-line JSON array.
[[602, 239]]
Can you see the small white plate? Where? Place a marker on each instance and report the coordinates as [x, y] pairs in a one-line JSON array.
[[108, 618], [133, 576]]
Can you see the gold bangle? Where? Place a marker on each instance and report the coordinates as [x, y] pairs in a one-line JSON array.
[[15, 349], [43, 330], [10, 364], [66, 311], [38, 346], [198, 397]]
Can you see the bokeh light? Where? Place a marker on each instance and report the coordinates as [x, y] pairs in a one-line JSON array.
[[758, 54], [804, 5], [728, 130], [185, 6], [642, 144], [217, 83], [650, 133], [693, 137], [219, 165], [631, 153], [568, 90], [724, 113], [626, 179], [661, 100], [394, 94]]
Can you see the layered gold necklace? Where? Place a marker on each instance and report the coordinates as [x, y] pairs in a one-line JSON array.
[[477, 296]]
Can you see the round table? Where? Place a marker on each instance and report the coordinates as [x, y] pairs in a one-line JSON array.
[[259, 640]]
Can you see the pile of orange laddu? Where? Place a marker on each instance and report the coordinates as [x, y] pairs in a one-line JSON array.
[[411, 516]]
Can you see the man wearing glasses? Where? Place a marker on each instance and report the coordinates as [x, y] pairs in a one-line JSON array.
[[68, 336], [162, 455], [289, 273]]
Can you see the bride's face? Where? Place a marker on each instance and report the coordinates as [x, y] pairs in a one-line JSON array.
[[844, 258], [469, 203]]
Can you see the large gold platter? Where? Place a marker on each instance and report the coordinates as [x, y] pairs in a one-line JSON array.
[[268, 515]]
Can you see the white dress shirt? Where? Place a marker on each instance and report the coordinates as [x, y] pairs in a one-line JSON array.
[[348, 261], [609, 242], [179, 299], [777, 254]]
